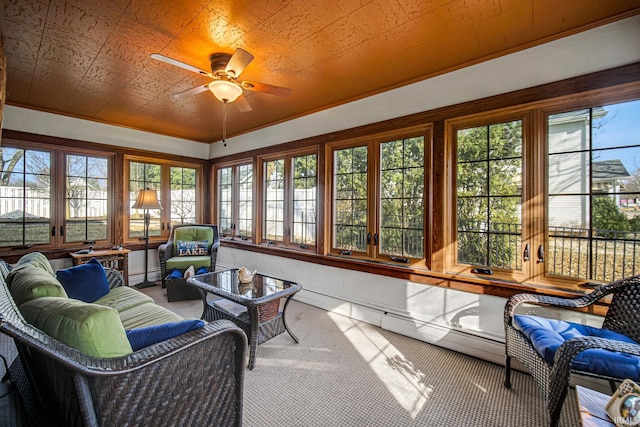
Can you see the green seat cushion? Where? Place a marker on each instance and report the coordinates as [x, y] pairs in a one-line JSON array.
[[123, 298], [147, 315], [184, 262], [91, 328], [30, 282], [192, 233]]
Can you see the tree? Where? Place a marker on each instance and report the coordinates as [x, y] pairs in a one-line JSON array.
[[489, 194], [8, 164], [608, 221]]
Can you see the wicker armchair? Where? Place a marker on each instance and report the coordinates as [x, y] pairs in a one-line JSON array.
[[193, 379], [167, 251], [623, 317]]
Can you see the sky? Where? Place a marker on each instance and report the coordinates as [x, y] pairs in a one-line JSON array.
[[621, 128]]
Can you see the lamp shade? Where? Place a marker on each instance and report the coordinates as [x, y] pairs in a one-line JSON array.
[[224, 90], [147, 199]]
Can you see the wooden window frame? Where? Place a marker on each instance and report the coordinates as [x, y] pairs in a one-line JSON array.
[[287, 157], [235, 198], [58, 194], [373, 143], [164, 194]]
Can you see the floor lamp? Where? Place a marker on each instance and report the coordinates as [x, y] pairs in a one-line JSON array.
[[147, 199]]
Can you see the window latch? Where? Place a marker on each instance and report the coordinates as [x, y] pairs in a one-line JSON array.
[[62, 230], [525, 255], [53, 231], [368, 239], [400, 259], [346, 253], [375, 239]]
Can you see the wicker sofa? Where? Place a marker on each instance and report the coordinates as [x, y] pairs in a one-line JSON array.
[[195, 378]]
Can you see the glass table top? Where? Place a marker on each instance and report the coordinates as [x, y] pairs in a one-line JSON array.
[[226, 283]]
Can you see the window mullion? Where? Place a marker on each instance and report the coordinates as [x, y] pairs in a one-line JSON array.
[[373, 220]]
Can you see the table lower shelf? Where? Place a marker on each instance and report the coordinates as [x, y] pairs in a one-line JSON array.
[[265, 331]]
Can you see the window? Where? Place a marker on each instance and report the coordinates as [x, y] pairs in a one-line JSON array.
[[25, 212], [274, 200], [235, 201], [304, 219], [581, 222], [183, 195], [378, 202], [593, 198], [35, 211], [489, 199], [87, 199], [290, 194], [178, 195], [144, 176]]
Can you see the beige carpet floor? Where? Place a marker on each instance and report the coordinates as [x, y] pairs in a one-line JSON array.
[[349, 373]]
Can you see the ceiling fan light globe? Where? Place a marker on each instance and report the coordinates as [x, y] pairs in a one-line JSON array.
[[225, 91]]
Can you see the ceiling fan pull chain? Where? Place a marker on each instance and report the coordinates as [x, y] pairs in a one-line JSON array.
[[224, 122]]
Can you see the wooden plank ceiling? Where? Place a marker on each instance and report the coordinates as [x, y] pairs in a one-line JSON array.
[[90, 58]]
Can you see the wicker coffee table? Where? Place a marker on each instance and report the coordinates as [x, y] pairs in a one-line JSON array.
[[257, 304]]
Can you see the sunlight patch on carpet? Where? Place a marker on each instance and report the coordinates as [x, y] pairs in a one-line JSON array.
[[406, 384]]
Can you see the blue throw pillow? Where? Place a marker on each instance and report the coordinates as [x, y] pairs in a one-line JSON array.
[[86, 282], [175, 274], [202, 270], [191, 248], [148, 335]]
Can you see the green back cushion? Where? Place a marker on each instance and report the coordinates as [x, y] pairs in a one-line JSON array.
[[194, 233], [37, 260], [34, 259], [29, 282], [93, 329]]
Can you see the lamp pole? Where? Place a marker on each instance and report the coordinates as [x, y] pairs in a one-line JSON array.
[[147, 199]]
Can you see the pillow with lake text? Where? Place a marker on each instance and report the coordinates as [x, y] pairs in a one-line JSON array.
[[192, 248]]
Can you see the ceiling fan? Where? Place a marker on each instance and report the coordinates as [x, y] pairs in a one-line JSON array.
[[225, 70]]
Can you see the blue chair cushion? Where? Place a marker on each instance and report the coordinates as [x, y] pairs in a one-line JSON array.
[[149, 335], [546, 335], [86, 282]]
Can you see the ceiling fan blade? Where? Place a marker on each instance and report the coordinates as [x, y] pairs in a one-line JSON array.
[[266, 88], [191, 92], [238, 62], [242, 104], [177, 63]]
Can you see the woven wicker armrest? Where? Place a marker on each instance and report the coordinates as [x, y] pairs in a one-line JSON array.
[[165, 250], [517, 300], [561, 371]]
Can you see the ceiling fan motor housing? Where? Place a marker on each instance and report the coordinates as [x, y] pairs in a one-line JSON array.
[[218, 62]]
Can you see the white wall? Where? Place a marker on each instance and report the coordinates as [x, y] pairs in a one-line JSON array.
[[40, 122]]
